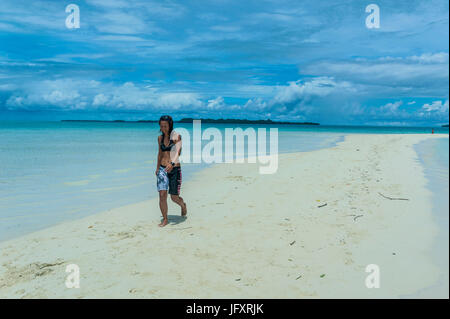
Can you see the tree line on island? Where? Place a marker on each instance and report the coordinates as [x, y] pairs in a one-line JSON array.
[[215, 121]]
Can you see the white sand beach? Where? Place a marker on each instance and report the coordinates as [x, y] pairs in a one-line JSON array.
[[252, 236]]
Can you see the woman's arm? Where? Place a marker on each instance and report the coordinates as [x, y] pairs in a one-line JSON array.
[[174, 156], [158, 161]]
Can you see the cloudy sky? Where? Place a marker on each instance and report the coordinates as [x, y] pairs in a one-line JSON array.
[[290, 60]]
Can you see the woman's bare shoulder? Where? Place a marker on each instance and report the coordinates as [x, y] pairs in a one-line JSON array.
[[175, 136]]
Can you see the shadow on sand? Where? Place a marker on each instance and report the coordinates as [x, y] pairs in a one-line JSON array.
[[175, 219]]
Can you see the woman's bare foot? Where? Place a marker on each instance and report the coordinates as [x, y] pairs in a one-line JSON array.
[[163, 223], [184, 210]]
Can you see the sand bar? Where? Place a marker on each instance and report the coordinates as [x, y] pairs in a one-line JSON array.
[[308, 231]]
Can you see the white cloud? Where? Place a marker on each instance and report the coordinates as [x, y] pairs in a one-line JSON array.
[[391, 108], [122, 23], [78, 94], [436, 106], [215, 104], [70, 58], [256, 104], [179, 100], [320, 86], [57, 97], [426, 74], [100, 99], [441, 57]]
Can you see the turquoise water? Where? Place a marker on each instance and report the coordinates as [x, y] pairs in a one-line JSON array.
[[56, 171]]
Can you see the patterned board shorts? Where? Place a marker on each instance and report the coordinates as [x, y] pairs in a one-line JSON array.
[[169, 181]]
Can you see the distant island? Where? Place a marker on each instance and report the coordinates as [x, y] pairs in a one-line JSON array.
[[445, 125], [216, 121], [114, 121], [238, 121]]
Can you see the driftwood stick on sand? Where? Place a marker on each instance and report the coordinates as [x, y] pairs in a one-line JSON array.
[[181, 228], [355, 217], [45, 265], [392, 198]]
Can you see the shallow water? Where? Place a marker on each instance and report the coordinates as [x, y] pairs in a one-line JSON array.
[[56, 171]]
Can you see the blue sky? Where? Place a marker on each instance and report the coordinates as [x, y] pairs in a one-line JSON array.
[[284, 60]]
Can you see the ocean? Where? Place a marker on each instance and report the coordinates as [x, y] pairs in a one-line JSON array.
[[51, 172]]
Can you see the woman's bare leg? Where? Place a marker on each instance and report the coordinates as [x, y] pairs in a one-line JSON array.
[[179, 200], [163, 207]]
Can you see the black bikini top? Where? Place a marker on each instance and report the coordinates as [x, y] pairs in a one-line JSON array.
[[165, 148]]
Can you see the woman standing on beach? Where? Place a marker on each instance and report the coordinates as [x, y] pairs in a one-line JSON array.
[[168, 169]]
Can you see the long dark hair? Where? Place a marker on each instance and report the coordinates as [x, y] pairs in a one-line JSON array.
[[169, 120]]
